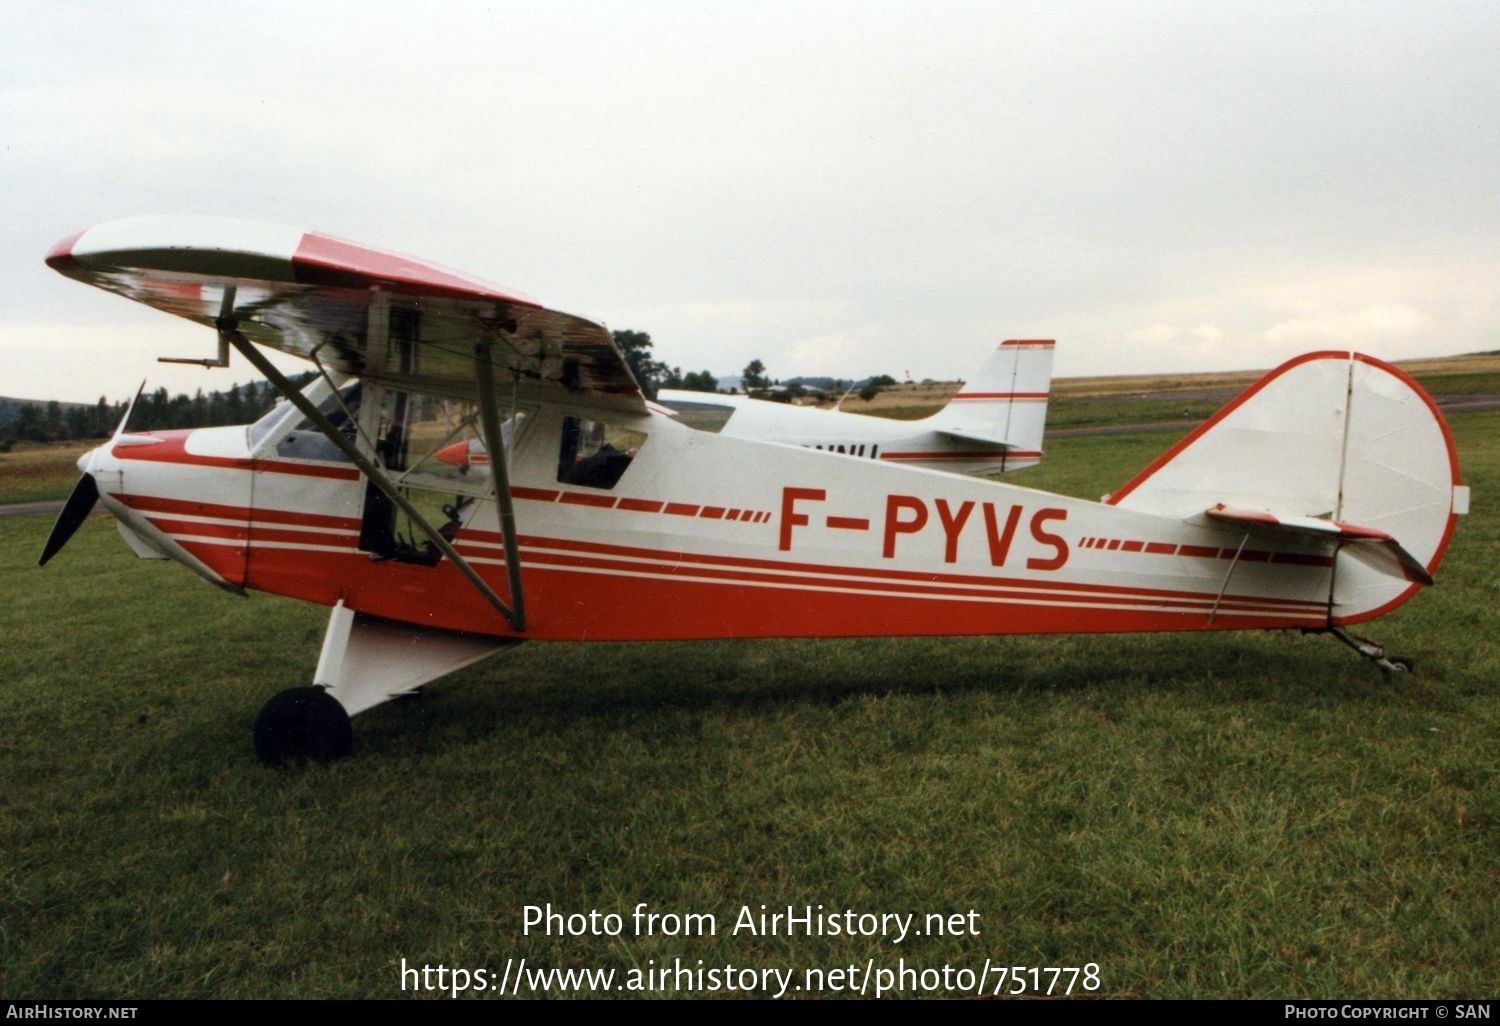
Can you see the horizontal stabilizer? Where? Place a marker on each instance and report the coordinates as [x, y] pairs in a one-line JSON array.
[[1371, 546], [965, 436], [1006, 400]]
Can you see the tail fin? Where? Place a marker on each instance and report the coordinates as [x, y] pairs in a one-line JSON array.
[[1330, 438], [1006, 401]]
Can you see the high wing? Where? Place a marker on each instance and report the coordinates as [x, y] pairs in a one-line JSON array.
[[387, 319], [316, 297]]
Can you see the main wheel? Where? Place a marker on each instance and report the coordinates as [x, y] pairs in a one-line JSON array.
[[302, 724]]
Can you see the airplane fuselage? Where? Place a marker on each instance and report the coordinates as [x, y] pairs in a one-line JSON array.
[[704, 536]]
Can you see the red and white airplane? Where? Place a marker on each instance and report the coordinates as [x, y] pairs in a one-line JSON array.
[[1322, 497], [994, 424]]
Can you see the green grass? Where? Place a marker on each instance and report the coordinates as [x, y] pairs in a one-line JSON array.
[[1069, 412], [1257, 815], [34, 471], [1461, 384]]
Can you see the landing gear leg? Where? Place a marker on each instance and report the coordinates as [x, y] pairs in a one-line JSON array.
[[1373, 652], [301, 725]]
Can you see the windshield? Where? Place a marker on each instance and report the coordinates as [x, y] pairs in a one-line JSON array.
[[283, 421]]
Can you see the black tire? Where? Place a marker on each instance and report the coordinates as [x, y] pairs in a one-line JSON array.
[[302, 725]]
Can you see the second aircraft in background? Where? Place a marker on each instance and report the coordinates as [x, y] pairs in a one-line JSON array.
[[993, 424]]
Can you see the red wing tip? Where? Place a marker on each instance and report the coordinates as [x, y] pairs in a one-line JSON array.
[[1037, 343], [325, 259], [61, 255]]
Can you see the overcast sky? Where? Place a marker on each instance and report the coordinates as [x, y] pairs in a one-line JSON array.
[[831, 188]]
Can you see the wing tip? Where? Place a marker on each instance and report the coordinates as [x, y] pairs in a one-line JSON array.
[[60, 256]]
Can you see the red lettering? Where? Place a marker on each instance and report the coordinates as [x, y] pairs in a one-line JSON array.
[[1049, 539], [1000, 540], [952, 525], [790, 518], [894, 525]]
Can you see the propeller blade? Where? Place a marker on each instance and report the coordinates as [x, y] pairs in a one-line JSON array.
[[85, 495], [74, 512]]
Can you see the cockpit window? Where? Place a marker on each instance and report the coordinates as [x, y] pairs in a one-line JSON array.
[[267, 422], [306, 442], [595, 454]]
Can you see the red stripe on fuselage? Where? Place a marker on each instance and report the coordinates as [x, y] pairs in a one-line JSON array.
[[1200, 600], [707, 588], [258, 532], [669, 558], [588, 499], [971, 454], [565, 604], [172, 448], [158, 504]]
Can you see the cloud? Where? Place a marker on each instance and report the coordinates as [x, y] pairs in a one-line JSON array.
[[1215, 189], [1364, 326], [1155, 335], [821, 355], [81, 363], [1428, 308]]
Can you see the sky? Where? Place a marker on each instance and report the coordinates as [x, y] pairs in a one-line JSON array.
[[832, 188]]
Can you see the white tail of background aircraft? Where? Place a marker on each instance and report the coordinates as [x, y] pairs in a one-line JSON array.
[[993, 424]]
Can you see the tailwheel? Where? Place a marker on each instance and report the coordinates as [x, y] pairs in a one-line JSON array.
[[301, 725], [1374, 653]]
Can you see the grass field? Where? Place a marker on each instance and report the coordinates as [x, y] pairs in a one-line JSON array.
[[1258, 815], [34, 471]]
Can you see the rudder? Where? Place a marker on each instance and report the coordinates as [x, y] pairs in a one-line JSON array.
[[1337, 436], [1006, 400]]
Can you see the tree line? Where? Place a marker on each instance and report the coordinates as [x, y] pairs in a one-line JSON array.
[[156, 410], [22, 421], [653, 375]]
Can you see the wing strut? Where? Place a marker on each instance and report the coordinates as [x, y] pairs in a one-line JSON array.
[[1228, 574], [230, 333], [489, 419]]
